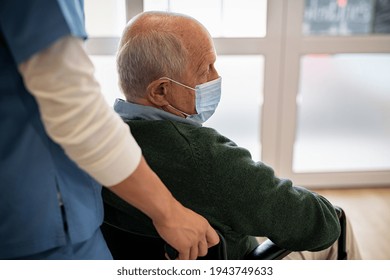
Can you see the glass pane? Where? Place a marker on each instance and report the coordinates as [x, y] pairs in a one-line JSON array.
[[346, 17], [343, 113], [223, 18], [238, 114], [105, 18], [107, 76]]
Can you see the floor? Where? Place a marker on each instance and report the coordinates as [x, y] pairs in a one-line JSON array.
[[369, 212]]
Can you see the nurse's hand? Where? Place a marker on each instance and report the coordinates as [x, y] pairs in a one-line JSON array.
[[187, 232]]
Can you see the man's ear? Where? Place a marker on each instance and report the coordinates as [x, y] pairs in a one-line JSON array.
[[157, 92]]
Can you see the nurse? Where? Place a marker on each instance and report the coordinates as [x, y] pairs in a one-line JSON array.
[[60, 142]]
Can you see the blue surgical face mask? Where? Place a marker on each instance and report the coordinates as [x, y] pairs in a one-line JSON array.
[[207, 97]]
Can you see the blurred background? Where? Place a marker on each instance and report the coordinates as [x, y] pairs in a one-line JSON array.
[[306, 88]]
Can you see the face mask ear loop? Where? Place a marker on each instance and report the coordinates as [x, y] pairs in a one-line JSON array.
[[185, 114], [176, 82], [180, 84]]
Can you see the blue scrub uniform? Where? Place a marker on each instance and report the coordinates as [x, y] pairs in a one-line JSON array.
[[36, 177]]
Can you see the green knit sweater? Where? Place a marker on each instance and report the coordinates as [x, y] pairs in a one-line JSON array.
[[241, 198]]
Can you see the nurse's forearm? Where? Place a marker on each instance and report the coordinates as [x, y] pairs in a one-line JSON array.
[[144, 190]]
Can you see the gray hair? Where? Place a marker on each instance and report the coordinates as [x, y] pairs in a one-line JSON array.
[[147, 56]]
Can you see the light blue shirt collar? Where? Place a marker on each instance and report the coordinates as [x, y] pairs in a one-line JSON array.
[[131, 111]]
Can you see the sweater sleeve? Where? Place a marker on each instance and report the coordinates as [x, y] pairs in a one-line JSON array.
[[258, 203], [75, 114]]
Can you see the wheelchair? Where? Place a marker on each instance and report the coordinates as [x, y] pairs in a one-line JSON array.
[[125, 245]]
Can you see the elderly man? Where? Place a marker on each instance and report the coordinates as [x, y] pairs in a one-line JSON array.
[[166, 71]]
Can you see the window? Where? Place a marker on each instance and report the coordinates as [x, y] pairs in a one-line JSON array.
[[105, 21], [106, 74], [343, 113], [334, 126], [105, 18]]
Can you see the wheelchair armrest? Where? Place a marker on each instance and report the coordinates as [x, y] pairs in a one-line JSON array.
[[267, 251]]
